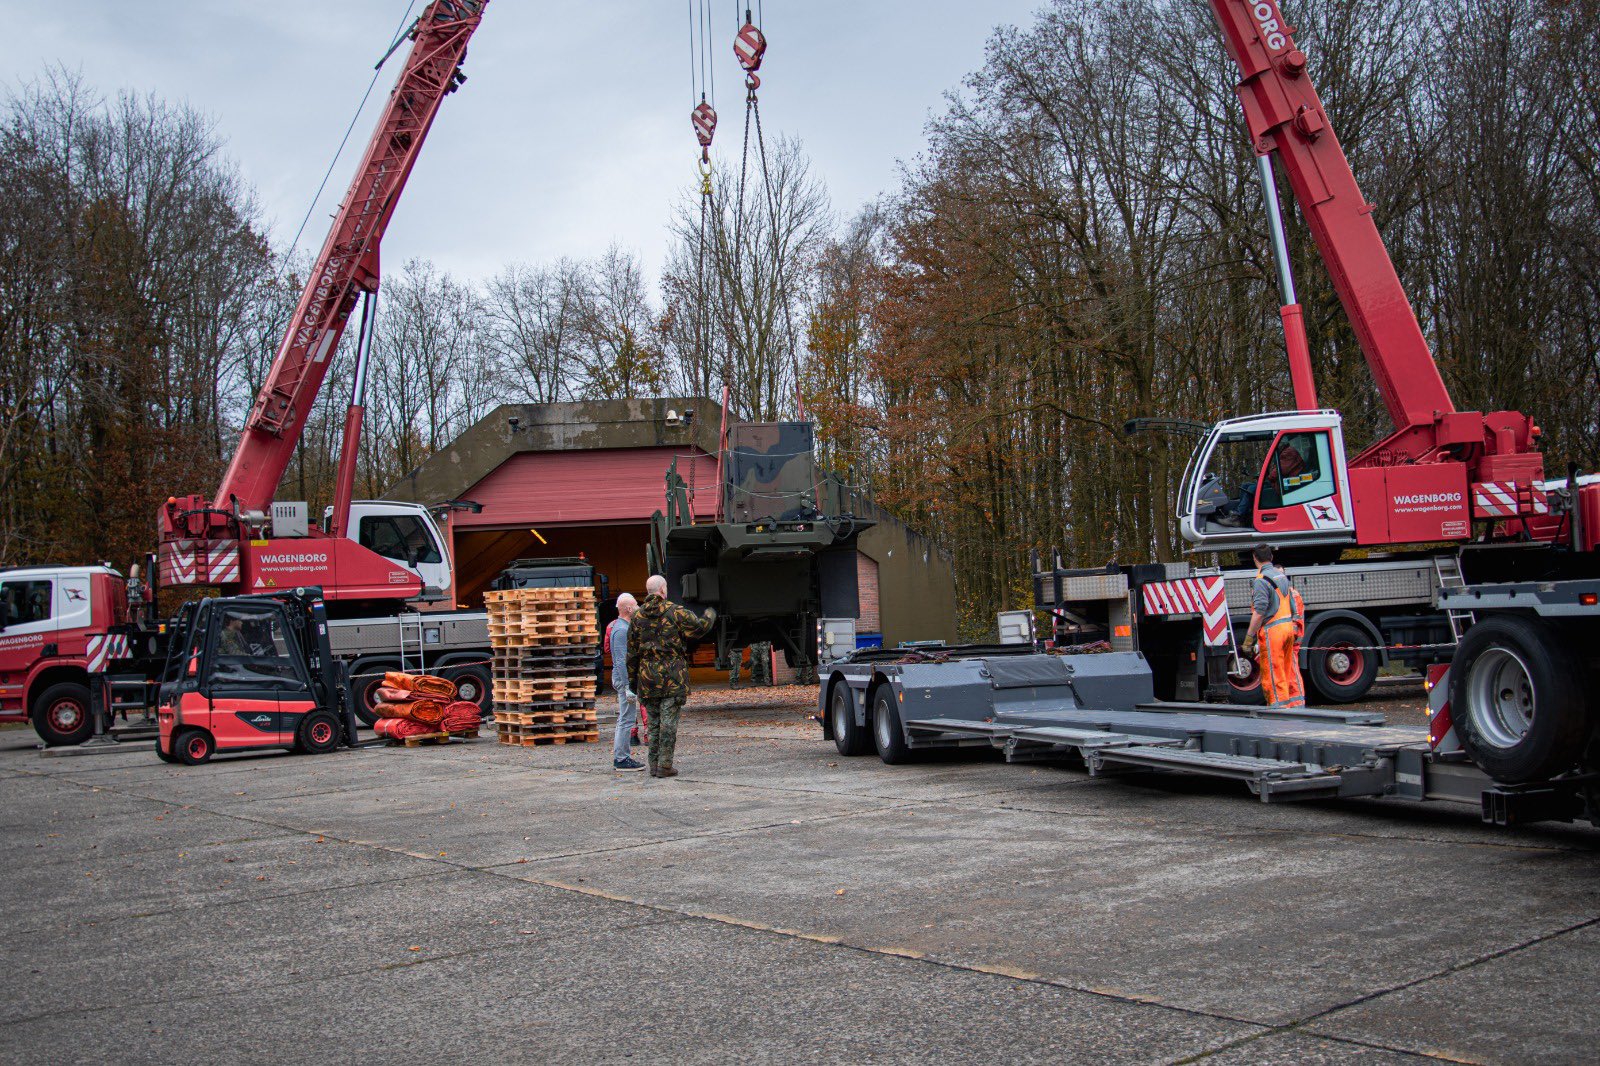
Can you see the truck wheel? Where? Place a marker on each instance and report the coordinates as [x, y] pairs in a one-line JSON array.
[[887, 735], [1517, 699], [472, 685], [318, 733], [848, 737], [61, 714], [194, 746], [364, 691], [1346, 673], [1245, 690]]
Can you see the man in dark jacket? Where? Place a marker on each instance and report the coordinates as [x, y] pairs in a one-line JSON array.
[[658, 666]]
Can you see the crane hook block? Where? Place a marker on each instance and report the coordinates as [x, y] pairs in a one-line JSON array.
[[704, 118], [749, 46]]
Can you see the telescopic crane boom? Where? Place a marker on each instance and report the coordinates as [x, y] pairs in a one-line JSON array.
[[1440, 469], [200, 537]]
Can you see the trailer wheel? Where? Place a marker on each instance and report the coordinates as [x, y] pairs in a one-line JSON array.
[[887, 735], [194, 746], [61, 714], [364, 691], [849, 737], [1517, 699], [1346, 673], [318, 733]]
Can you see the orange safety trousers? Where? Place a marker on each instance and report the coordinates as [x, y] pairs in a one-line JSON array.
[[1280, 665]]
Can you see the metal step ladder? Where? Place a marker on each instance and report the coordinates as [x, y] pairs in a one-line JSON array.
[[410, 626], [1447, 568]]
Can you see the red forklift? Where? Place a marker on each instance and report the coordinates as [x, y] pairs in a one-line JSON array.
[[247, 673]]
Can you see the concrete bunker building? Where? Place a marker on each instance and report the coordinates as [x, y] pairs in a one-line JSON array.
[[546, 480]]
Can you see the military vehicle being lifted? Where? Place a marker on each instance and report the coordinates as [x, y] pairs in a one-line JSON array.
[[781, 555]]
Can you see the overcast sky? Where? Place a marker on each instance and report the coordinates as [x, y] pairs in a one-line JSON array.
[[573, 129]]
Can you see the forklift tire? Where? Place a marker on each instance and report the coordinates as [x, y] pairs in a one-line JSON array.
[[1341, 676], [61, 714], [886, 732], [849, 737], [1517, 699], [319, 733], [163, 756], [194, 746]]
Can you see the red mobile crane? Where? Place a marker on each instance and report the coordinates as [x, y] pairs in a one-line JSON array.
[[62, 627], [1470, 481], [1514, 727], [236, 539], [1441, 469]]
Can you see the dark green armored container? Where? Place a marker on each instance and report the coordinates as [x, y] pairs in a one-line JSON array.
[[782, 555]]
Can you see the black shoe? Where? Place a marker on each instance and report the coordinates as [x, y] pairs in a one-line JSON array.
[[626, 765]]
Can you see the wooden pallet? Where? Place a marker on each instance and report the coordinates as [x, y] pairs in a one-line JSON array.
[[531, 740], [535, 706], [544, 718]]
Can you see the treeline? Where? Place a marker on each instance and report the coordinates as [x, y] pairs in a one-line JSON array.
[[1081, 242]]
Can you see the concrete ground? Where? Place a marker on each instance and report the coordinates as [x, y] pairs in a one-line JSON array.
[[776, 903]]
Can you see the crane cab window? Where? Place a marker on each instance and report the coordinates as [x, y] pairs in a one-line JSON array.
[[401, 537], [1299, 470], [30, 601]]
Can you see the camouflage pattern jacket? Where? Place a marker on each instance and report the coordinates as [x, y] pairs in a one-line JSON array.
[[658, 648]]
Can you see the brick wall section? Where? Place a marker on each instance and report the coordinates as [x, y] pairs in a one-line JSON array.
[[869, 620]]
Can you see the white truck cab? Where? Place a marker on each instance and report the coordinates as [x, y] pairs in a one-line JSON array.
[[404, 533]]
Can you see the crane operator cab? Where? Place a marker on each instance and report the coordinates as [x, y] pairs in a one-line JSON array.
[[1278, 477]]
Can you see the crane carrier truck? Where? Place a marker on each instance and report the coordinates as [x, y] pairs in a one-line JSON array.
[[1511, 587]]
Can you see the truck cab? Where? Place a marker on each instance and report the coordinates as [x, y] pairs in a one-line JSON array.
[[405, 534], [57, 626]]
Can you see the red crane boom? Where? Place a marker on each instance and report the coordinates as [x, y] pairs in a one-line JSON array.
[[348, 262], [1285, 115], [201, 539]]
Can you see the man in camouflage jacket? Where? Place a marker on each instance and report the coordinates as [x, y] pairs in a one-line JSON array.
[[658, 666]]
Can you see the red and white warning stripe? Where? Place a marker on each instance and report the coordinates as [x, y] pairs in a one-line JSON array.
[[1441, 728], [103, 647], [1204, 596], [1507, 499], [222, 565], [197, 562]]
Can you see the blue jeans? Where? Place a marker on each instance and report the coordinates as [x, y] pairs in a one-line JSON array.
[[627, 718]]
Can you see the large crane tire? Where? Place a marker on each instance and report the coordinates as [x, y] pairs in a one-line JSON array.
[[1346, 673]]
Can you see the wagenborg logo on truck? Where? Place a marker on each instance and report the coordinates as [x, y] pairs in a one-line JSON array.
[[1271, 28], [1429, 497], [286, 559]]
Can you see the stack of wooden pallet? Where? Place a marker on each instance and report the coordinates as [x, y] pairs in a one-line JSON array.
[[544, 644]]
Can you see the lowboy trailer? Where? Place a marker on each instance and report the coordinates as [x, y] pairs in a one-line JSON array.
[[1098, 710]]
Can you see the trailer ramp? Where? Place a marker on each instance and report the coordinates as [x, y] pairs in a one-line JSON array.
[[1278, 759]]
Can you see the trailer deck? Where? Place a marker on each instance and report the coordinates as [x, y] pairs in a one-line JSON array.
[[1097, 711]]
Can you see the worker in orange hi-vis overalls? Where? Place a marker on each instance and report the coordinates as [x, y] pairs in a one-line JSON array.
[[1278, 616]]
